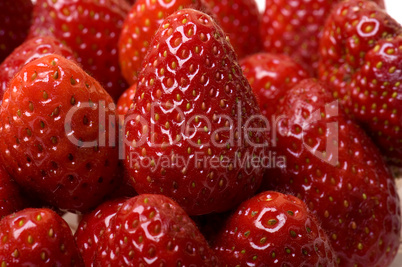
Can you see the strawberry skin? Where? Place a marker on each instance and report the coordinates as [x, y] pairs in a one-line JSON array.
[[379, 108], [91, 28], [361, 55], [15, 19], [126, 100], [295, 28], [195, 87], [28, 51], [37, 237], [153, 230], [273, 229], [270, 76], [240, 19], [139, 28], [338, 172], [49, 114], [92, 226], [11, 197]]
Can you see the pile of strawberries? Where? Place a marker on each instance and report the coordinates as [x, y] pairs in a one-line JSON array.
[[199, 133]]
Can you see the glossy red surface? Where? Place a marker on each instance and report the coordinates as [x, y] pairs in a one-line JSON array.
[[37, 237], [153, 230], [273, 229], [139, 29], [361, 60], [91, 29], [295, 28], [339, 173], [28, 51], [126, 100], [194, 107], [92, 226], [50, 134], [240, 20], [271, 76]]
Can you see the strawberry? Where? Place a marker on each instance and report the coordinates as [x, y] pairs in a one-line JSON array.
[[270, 76], [53, 138], [191, 133], [295, 28], [15, 19], [139, 28], [28, 51], [11, 197], [273, 229], [37, 237], [91, 28], [338, 172], [126, 100], [92, 226], [240, 19], [361, 52], [153, 230]]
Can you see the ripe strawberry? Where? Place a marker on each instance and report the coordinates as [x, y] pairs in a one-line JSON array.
[[270, 76], [338, 172], [92, 226], [91, 28], [153, 230], [126, 100], [191, 133], [295, 28], [28, 51], [240, 19], [37, 237], [11, 197], [139, 29], [15, 19], [273, 229], [361, 52], [53, 137]]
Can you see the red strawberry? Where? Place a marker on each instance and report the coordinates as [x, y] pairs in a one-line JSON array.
[[91, 28], [240, 19], [51, 134], [11, 197], [295, 28], [37, 237], [126, 100], [338, 172], [191, 133], [15, 19], [273, 229], [92, 226], [139, 29], [270, 76], [28, 51], [361, 52], [153, 230]]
